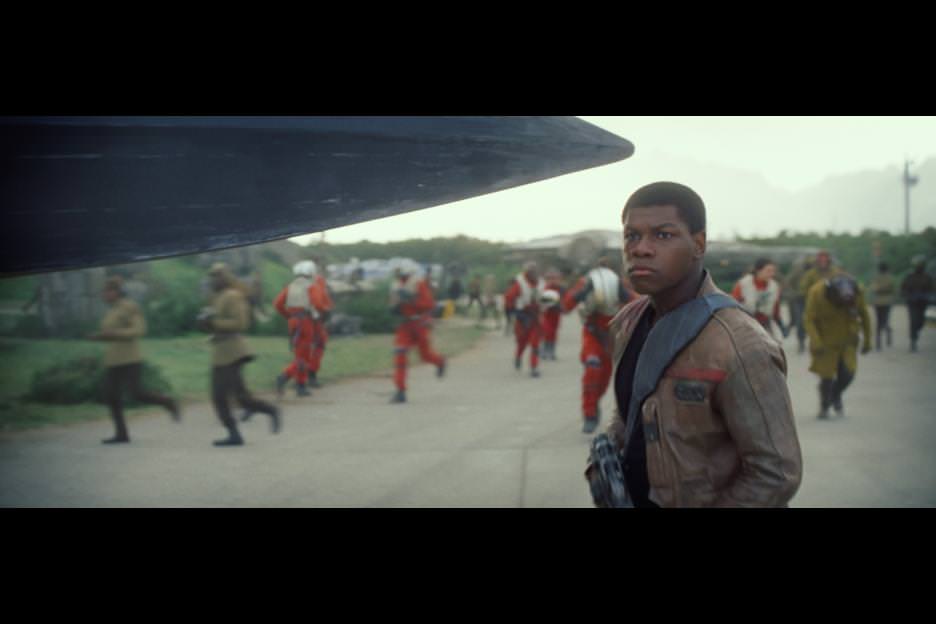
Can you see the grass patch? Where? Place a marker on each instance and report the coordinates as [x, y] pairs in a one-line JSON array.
[[185, 362]]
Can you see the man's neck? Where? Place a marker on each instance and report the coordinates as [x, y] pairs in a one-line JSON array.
[[679, 294]]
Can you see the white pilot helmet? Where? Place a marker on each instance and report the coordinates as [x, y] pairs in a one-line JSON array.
[[305, 267], [549, 298]]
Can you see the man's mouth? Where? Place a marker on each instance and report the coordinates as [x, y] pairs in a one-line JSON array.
[[640, 271]]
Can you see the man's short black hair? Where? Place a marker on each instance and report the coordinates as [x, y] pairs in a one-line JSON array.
[[688, 203], [883, 268]]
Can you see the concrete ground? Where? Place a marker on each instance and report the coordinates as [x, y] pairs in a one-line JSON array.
[[484, 436]]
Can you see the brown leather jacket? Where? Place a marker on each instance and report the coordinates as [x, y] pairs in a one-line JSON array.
[[719, 427]]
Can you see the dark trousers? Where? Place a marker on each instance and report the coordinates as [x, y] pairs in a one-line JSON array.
[[917, 319], [830, 390], [227, 381], [127, 377], [882, 312]]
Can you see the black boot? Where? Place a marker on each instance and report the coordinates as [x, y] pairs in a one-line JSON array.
[[399, 397], [175, 412], [313, 381], [281, 381], [302, 391], [825, 397], [440, 371], [275, 421], [117, 439], [518, 363], [234, 438]]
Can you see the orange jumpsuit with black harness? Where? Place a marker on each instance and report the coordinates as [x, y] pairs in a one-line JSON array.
[[551, 318], [303, 303], [412, 299], [523, 300], [596, 340]]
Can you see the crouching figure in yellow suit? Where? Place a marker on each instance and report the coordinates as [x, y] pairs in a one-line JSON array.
[[835, 311]]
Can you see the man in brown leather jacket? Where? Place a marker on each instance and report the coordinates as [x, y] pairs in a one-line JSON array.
[[717, 427]]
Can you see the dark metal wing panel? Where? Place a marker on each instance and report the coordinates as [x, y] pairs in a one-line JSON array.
[[93, 191]]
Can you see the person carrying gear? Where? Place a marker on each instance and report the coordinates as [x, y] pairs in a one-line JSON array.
[[759, 294], [489, 299], [122, 327], [883, 291], [323, 302], [835, 307], [796, 301], [303, 303], [822, 270], [474, 294], [411, 298], [226, 318], [916, 289], [552, 314], [599, 295], [522, 299]]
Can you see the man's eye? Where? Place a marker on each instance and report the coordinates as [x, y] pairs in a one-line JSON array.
[[633, 236], [664, 235]]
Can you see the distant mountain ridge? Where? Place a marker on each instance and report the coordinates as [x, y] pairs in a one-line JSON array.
[[744, 203]]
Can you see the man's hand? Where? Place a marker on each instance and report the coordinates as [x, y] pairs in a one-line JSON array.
[[203, 320], [592, 479], [583, 294]]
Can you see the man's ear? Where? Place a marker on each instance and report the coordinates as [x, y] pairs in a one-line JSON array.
[[698, 240]]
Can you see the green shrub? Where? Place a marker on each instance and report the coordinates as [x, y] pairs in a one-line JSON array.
[[275, 277], [175, 297], [81, 380], [372, 307], [18, 288]]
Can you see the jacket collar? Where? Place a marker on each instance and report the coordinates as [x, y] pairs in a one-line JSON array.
[[625, 321]]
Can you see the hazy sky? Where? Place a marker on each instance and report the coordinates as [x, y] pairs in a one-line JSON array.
[[789, 154]]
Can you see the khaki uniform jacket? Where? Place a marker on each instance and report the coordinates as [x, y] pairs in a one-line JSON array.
[[232, 316], [833, 331], [814, 275], [121, 327], [719, 427], [883, 289]]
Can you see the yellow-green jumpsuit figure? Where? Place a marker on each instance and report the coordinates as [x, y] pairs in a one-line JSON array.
[[835, 312]]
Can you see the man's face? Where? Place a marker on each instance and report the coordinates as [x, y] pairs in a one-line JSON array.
[[822, 261], [659, 251], [109, 295]]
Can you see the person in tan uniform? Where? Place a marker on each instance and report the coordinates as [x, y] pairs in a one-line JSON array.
[[835, 311], [822, 269], [121, 328], [226, 318], [883, 290]]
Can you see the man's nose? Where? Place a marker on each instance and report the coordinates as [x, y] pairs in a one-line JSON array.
[[642, 248]]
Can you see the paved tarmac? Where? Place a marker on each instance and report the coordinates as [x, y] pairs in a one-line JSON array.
[[483, 436]]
